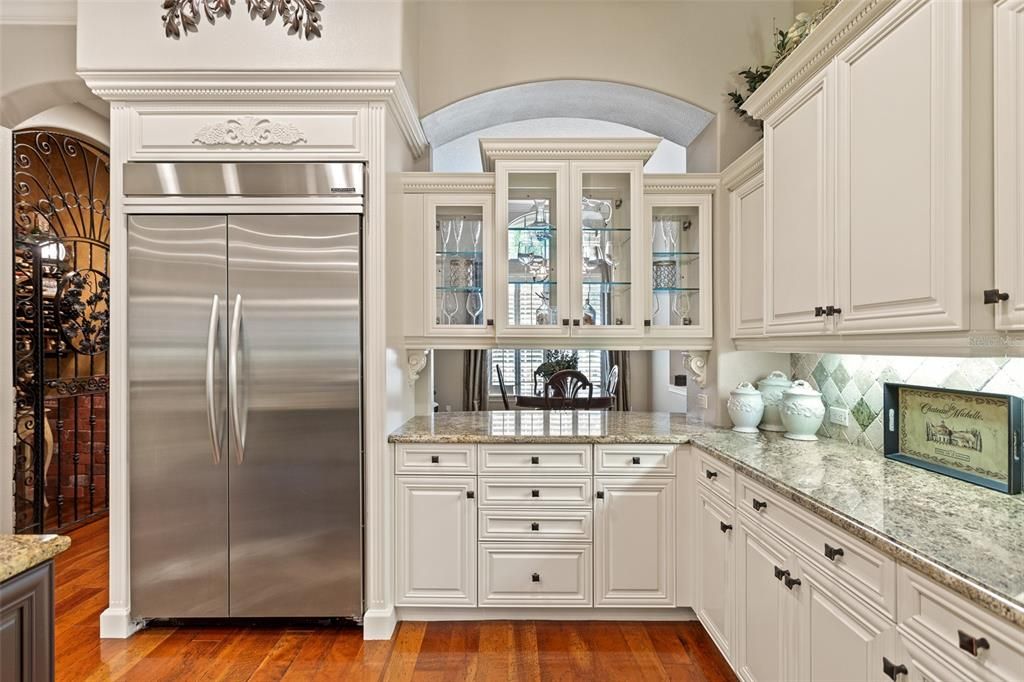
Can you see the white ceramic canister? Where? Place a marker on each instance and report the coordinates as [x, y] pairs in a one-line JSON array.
[[802, 411], [746, 406], [771, 388]]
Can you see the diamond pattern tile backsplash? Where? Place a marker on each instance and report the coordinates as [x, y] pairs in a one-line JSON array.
[[855, 382]]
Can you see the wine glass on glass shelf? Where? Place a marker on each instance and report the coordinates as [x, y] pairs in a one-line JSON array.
[[445, 225], [460, 225], [475, 305], [449, 306], [478, 226]]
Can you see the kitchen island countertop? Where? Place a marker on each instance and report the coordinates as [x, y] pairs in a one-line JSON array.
[[19, 553]]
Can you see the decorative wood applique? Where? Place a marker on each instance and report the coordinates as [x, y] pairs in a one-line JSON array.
[[248, 131]]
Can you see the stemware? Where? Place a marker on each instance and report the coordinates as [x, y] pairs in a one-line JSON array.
[[460, 224], [478, 226], [682, 308], [609, 256], [449, 310], [446, 233], [668, 233], [538, 213], [475, 305]]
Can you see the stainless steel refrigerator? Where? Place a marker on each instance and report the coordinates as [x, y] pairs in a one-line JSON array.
[[244, 373]]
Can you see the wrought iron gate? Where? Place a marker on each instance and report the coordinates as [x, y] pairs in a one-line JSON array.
[[61, 330]]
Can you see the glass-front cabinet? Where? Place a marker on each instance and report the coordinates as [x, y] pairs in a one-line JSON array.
[[678, 246], [460, 294], [532, 274], [606, 246]]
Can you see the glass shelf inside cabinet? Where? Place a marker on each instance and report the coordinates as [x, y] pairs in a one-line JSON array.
[[459, 266], [675, 267], [531, 249], [605, 239]]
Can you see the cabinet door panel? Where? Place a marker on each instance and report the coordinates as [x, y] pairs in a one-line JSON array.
[[799, 213], [1009, 153], [436, 541], [901, 216], [714, 568], [746, 225], [839, 638], [762, 641], [635, 548]]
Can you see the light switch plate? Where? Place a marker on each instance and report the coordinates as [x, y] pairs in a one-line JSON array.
[[702, 400], [839, 415]]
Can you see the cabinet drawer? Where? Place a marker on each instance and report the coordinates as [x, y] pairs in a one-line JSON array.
[[715, 475], [635, 459], [954, 626], [535, 575], [852, 562], [435, 459], [529, 459], [536, 492], [536, 525]]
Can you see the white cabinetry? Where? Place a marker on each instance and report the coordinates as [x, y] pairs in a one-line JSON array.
[[866, 182], [436, 541], [746, 264], [1009, 156], [714, 569], [635, 541]]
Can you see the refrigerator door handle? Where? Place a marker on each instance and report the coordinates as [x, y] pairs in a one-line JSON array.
[[236, 333], [211, 410]]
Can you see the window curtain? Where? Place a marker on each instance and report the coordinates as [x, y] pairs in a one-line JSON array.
[[620, 358], [476, 375]]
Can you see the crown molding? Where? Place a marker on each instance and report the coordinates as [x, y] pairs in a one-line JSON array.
[[749, 164], [680, 183], [844, 23], [574, 148], [448, 183], [276, 86], [39, 12]]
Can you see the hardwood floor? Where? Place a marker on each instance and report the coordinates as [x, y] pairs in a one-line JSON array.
[[497, 650]]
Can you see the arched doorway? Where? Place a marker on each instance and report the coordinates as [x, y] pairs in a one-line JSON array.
[[61, 186]]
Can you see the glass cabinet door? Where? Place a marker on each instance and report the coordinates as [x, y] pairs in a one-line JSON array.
[[461, 300], [607, 263], [680, 261], [530, 200]]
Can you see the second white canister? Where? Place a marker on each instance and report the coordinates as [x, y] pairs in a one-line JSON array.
[[746, 407], [802, 411], [771, 388]]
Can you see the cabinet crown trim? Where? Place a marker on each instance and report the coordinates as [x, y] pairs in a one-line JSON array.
[[448, 183], [615, 148], [836, 31], [682, 183], [273, 86]]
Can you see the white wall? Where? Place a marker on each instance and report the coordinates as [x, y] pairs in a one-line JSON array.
[[690, 49]]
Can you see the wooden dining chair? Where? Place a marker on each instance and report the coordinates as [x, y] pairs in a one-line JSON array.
[[611, 384], [562, 390], [501, 385]]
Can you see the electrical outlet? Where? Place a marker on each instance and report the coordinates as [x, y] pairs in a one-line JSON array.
[[702, 400], [839, 415]]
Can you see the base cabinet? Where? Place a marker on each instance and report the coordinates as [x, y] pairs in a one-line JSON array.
[[436, 541], [26, 626], [713, 557], [635, 541], [763, 642]]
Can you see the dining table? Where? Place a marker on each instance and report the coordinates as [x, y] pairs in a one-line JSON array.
[[600, 401]]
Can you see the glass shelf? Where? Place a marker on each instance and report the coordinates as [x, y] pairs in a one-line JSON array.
[[532, 228], [659, 289], [543, 282], [606, 284], [673, 254], [464, 254], [605, 229], [467, 290]]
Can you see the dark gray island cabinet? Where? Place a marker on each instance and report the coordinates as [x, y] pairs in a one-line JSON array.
[[26, 606]]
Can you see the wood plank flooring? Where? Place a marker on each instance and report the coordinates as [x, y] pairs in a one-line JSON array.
[[497, 650]]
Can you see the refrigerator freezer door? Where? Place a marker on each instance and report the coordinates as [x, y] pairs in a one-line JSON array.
[[295, 523], [177, 286]]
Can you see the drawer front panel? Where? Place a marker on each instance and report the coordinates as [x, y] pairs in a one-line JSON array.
[[542, 575], [326, 131], [715, 475], [635, 459], [852, 562], [536, 492], [536, 525], [539, 459], [959, 630], [435, 459]]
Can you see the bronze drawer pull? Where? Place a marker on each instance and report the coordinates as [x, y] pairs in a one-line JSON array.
[[971, 645], [758, 504], [891, 670]]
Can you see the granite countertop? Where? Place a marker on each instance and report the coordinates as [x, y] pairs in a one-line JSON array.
[[19, 553], [968, 538], [543, 426], [965, 537]]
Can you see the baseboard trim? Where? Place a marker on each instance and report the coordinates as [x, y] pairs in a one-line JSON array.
[[379, 623], [430, 613], [118, 624]]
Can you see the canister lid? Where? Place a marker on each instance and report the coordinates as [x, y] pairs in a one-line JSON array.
[[801, 387]]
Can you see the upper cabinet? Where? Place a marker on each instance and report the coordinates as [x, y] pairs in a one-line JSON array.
[[1009, 169], [743, 183], [559, 242], [866, 181]]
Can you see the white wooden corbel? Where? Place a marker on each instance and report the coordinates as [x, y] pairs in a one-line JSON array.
[[697, 363], [416, 360]]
